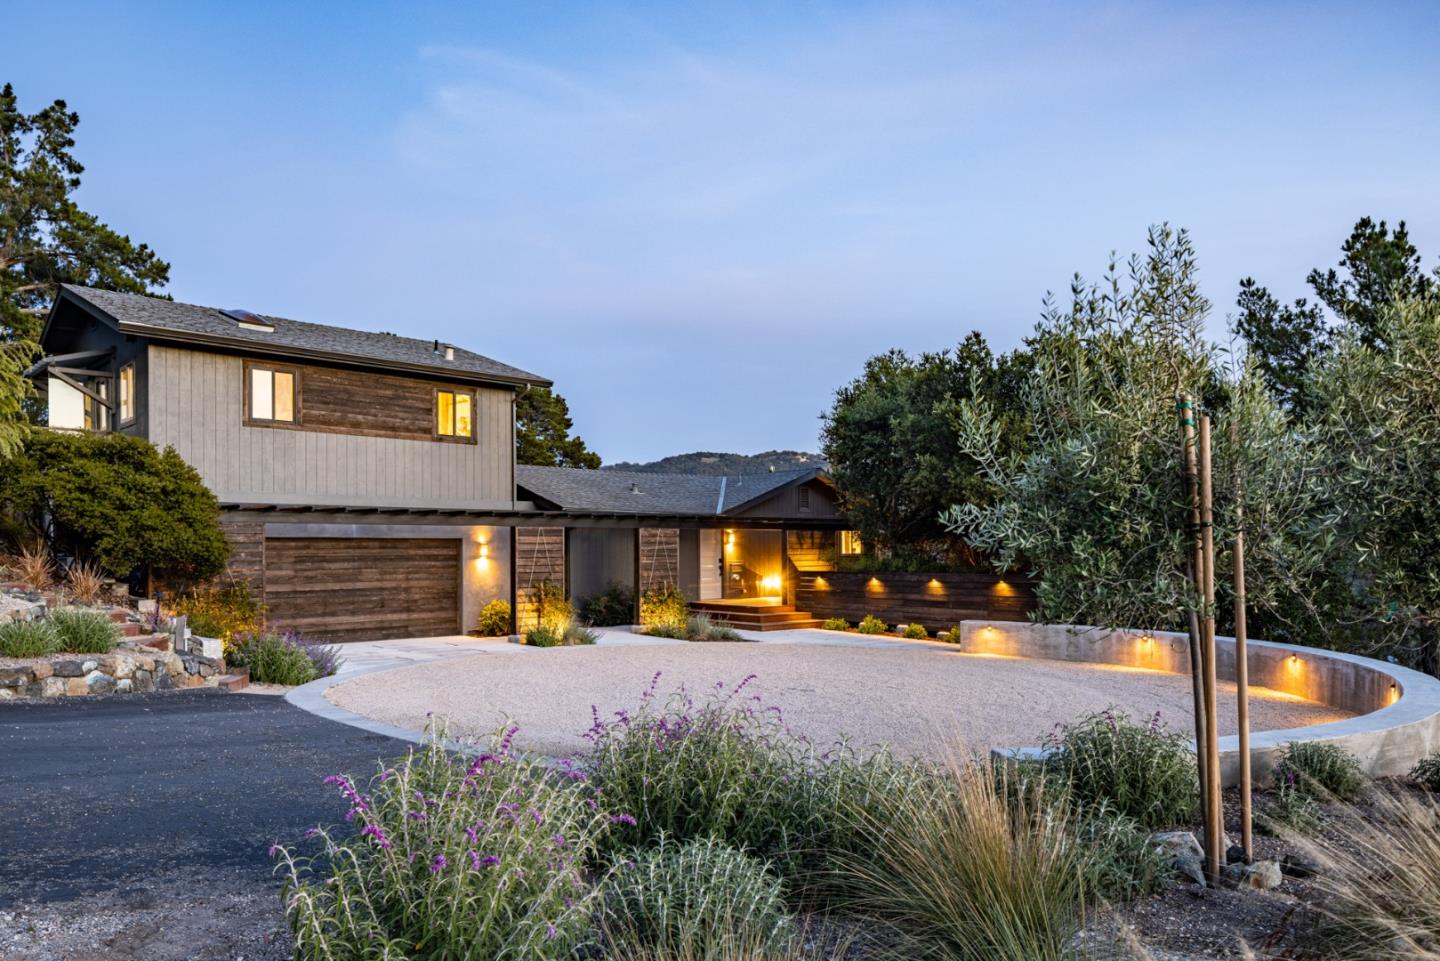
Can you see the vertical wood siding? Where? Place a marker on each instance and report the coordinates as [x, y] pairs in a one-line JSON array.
[[196, 406]]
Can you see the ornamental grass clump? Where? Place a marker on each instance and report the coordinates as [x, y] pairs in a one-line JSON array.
[[1140, 771], [86, 581], [701, 627], [450, 856], [283, 658], [84, 632], [702, 899], [28, 639], [965, 866], [1320, 770], [1426, 773], [724, 768]]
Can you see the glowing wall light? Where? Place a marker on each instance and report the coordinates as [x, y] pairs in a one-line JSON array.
[[873, 584], [770, 583]]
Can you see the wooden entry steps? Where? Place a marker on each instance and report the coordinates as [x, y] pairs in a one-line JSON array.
[[759, 615]]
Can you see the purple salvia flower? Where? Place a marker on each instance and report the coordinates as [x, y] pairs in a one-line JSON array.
[[438, 864]]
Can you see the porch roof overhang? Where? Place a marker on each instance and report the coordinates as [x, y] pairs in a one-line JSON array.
[[337, 514]]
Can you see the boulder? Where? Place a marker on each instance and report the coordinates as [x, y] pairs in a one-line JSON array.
[[89, 665], [144, 663], [76, 687], [1184, 852], [49, 687], [1294, 867], [1263, 875], [99, 682], [124, 685], [16, 676], [68, 668], [143, 681], [42, 670], [6, 694]]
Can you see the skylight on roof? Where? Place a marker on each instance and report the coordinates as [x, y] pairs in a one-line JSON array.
[[249, 320]]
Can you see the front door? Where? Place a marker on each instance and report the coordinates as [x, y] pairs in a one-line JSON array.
[[712, 565]]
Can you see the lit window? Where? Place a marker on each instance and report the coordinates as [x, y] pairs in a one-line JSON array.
[[850, 543], [97, 412], [272, 395], [454, 414], [127, 393]]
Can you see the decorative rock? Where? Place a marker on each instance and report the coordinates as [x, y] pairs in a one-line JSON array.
[[42, 670], [15, 676], [6, 694], [124, 685], [49, 687], [1263, 875], [76, 687], [89, 666], [144, 663], [1186, 855], [1294, 867], [99, 682], [144, 681], [163, 682], [68, 668], [1234, 854]]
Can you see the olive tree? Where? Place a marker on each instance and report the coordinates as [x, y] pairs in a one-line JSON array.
[[1093, 501]]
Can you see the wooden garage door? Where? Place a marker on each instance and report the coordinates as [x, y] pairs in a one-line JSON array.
[[363, 589]]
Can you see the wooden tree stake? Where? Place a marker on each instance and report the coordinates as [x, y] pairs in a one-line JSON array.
[[1242, 665], [1194, 565], [1215, 820]]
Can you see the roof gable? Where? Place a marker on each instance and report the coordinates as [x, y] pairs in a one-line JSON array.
[[636, 492], [170, 320]]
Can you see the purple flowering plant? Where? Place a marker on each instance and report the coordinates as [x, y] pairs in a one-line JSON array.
[[474, 854]]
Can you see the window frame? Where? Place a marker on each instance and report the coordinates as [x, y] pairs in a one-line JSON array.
[[249, 420], [848, 544], [435, 415], [125, 418]]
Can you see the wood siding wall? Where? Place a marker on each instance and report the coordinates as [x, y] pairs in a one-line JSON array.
[[818, 501], [659, 557], [939, 601], [247, 551], [375, 405], [539, 557], [195, 404]]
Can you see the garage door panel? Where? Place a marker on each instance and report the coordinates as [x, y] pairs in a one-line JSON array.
[[354, 589]]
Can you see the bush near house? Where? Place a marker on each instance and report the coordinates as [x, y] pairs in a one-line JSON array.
[[564, 635], [664, 608], [916, 632], [871, 624], [612, 607], [84, 632], [28, 638], [116, 501], [283, 658], [220, 612], [495, 619], [552, 609], [1140, 771], [836, 624]]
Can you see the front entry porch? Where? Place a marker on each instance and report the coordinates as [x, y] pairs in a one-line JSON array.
[[756, 613]]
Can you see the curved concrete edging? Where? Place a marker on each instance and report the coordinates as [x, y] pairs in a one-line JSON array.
[[1398, 709]]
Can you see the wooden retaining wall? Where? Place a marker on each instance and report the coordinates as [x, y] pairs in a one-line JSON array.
[[939, 601]]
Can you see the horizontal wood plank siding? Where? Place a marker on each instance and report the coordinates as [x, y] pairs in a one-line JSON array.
[[196, 406], [361, 589], [539, 557], [247, 551], [939, 601]]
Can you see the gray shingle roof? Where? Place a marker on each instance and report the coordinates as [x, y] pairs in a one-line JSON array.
[[627, 492], [151, 316]]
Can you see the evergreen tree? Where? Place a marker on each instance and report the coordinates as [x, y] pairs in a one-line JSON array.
[[543, 432]]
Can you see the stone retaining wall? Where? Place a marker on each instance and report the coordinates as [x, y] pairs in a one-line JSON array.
[[1398, 709], [119, 672]]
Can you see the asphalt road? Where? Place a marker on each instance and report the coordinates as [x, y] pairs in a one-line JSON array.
[[99, 795]]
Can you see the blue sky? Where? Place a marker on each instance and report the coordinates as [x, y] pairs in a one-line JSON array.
[[699, 219]]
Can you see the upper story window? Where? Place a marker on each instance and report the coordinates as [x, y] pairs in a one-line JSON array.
[[454, 415], [127, 394], [804, 498], [97, 411], [271, 395]]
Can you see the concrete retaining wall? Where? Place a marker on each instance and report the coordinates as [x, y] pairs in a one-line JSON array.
[[1398, 709]]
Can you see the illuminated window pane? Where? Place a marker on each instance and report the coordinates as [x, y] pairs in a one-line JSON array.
[[262, 398], [462, 415], [284, 396], [127, 392], [850, 543], [446, 414]]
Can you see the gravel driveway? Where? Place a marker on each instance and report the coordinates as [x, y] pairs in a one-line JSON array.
[[138, 826], [914, 698]]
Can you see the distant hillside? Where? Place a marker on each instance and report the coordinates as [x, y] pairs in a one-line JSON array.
[[713, 462]]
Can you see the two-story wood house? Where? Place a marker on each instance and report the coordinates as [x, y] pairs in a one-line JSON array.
[[368, 480]]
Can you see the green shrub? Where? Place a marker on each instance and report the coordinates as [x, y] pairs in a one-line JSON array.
[[916, 632], [664, 607], [223, 613], [28, 639], [672, 631], [1321, 769], [612, 607], [494, 619], [473, 858], [118, 501], [562, 635], [951, 636], [273, 659], [552, 609], [725, 768], [543, 636], [702, 897], [1426, 773], [84, 632], [835, 624], [1138, 770], [1121, 863], [700, 627], [871, 625]]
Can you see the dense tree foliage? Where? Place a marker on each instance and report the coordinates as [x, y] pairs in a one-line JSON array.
[[891, 439], [47, 240], [1377, 267], [117, 501], [543, 432], [1377, 415]]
